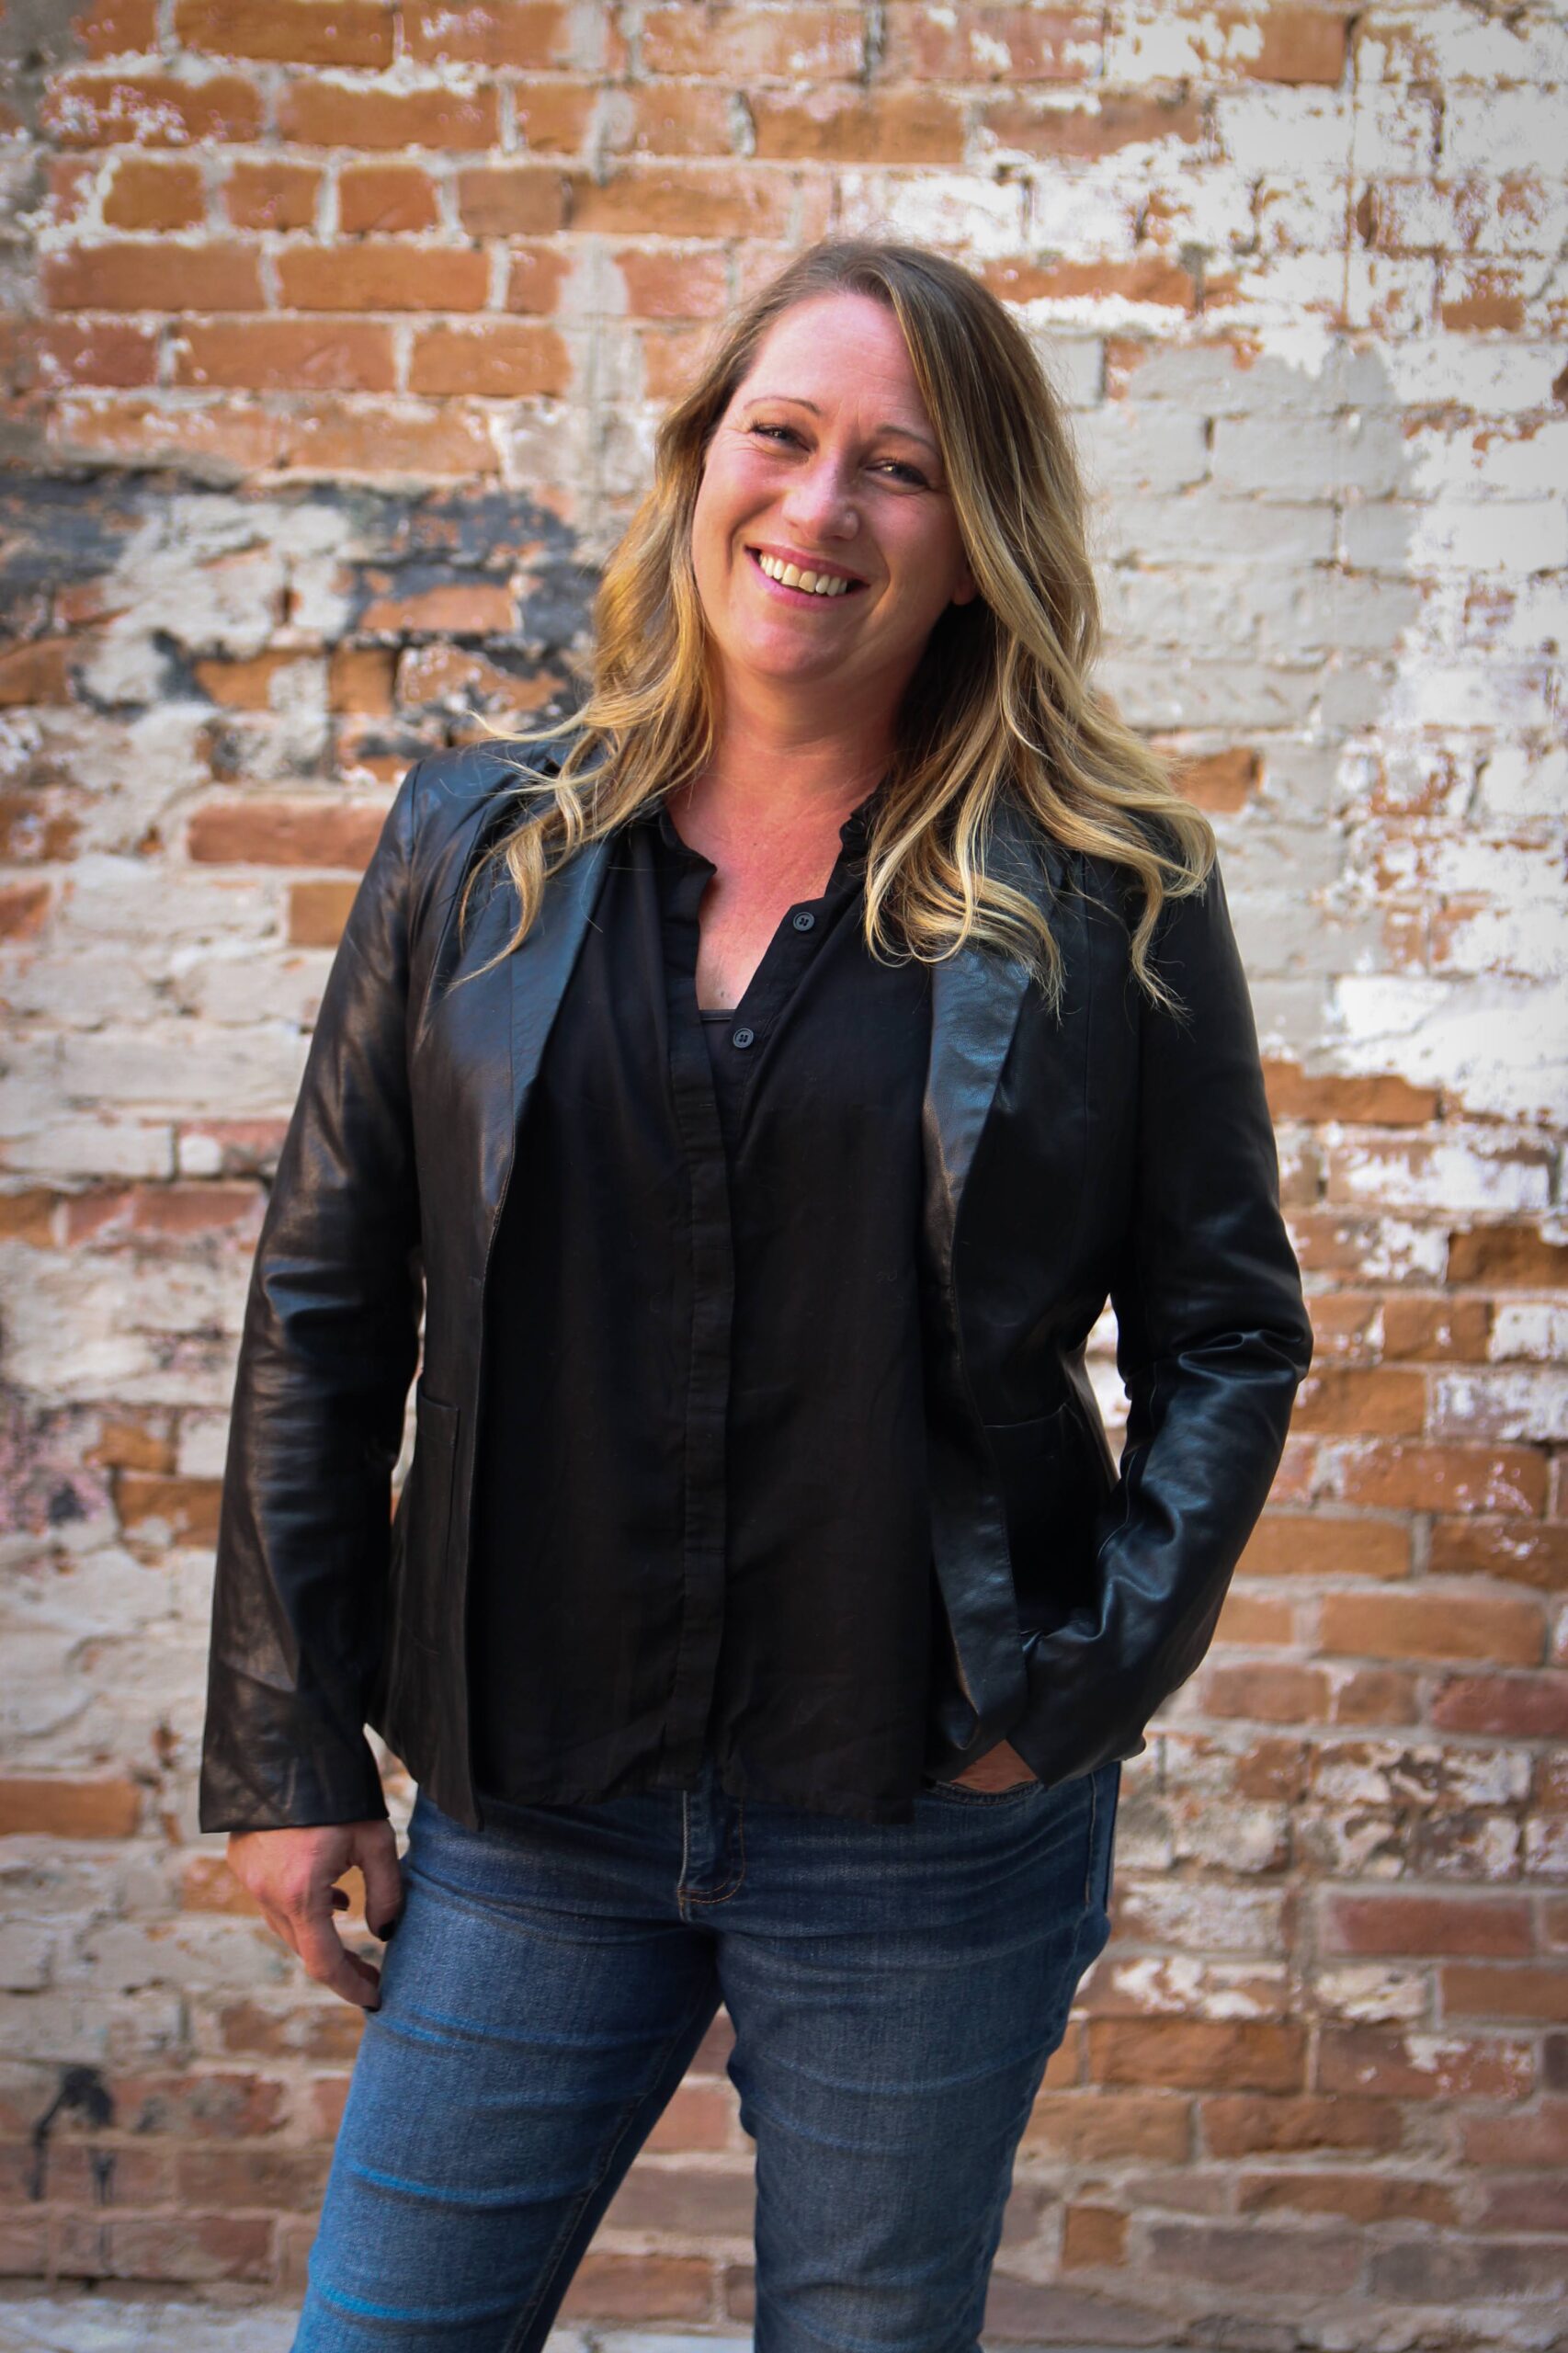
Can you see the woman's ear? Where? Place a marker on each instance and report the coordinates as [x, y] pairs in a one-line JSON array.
[[967, 590]]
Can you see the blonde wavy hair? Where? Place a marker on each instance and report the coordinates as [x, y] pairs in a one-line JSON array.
[[999, 704]]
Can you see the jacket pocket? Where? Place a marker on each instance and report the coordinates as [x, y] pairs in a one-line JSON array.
[[1052, 1483], [426, 1518]]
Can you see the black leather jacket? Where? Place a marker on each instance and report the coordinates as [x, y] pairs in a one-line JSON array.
[[1114, 1151]]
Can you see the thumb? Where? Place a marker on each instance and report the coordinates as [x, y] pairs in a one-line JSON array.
[[375, 1851]]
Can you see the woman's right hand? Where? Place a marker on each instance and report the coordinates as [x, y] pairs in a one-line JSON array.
[[291, 1874]]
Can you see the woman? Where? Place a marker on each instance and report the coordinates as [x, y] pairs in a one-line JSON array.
[[762, 1089]]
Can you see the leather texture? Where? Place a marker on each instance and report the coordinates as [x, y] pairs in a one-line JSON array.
[[1110, 1150]]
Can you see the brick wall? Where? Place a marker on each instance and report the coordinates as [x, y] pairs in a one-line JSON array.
[[336, 332]]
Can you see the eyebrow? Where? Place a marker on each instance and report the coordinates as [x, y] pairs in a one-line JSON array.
[[904, 432]]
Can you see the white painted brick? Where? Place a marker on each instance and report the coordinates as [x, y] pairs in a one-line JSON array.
[[1313, 458], [1271, 130], [1514, 1405], [1533, 1328], [1522, 126]]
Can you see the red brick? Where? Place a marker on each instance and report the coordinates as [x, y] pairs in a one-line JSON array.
[[29, 1216], [535, 275], [455, 608], [1095, 2128], [153, 277], [1357, 2197], [1383, 1100], [852, 126], [1221, 782], [1535, 2137], [1520, 1707], [1396, 1922], [1241, 2125], [1451, 2272], [1524, 2202], [88, 110], [342, 436], [1294, 1544], [1451, 1478], [116, 28], [1297, 45], [661, 285], [1437, 1329], [1152, 279], [252, 2175], [1039, 128], [509, 361], [1482, 298], [1434, 1624], [187, 1507], [187, 2247], [527, 33], [665, 118], [745, 45], [1275, 1695], [385, 197], [512, 200], [145, 195], [1093, 2238], [132, 1444], [206, 1884], [680, 200], [296, 2030], [284, 833], [55, 1806], [328, 114], [1371, 2060], [700, 2116], [35, 672], [271, 195], [1253, 2260], [1477, 1992], [454, 675], [1525, 1552], [52, 352], [1192, 2054], [554, 117], [640, 2288], [361, 678], [286, 355], [382, 277], [146, 431], [1488, 1254], [296, 32], [991, 44], [1357, 1399], [672, 358], [317, 912]]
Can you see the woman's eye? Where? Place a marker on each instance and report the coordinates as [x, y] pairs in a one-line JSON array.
[[782, 429], [906, 471]]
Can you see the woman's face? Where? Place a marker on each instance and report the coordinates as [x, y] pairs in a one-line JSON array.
[[825, 457]]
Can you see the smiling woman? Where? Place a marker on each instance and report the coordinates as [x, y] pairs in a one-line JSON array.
[[760, 1084]]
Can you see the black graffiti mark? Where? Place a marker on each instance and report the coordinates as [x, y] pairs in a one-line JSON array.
[[82, 2089]]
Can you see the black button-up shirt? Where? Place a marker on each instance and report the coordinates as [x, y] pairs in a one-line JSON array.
[[701, 1509]]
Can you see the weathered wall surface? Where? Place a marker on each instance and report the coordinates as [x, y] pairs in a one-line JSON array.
[[336, 333]]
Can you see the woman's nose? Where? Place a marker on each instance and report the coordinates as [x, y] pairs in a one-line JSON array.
[[821, 498]]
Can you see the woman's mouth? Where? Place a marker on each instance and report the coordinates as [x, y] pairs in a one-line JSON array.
[[831, 589]]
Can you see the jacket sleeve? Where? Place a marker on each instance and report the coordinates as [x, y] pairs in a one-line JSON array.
[[327, 1356], [1212, 1341]]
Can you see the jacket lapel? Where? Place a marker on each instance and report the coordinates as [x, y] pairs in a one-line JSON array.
[[976, 999]]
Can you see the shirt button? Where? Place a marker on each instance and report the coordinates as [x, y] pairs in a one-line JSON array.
[[742, 1037], [803, 921]]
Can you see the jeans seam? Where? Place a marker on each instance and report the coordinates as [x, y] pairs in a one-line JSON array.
[[723, 1894], [530, 2311]]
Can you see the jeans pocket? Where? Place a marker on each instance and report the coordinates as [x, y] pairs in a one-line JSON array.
[[1104, 1800], [956, 1793]]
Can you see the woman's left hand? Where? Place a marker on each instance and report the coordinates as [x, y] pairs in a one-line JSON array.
[[1000, 1768]]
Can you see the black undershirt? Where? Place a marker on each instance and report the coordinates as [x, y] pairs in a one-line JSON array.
[[702, 1514]]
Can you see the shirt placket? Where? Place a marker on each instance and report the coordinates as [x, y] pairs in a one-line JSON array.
[[708, 1380]]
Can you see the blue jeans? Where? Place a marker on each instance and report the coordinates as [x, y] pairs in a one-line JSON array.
[[895, 1992]]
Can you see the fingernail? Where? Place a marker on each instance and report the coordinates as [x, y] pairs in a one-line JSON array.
[[385, 1935]]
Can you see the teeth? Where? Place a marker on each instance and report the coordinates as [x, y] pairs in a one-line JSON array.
[[815, 584]]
